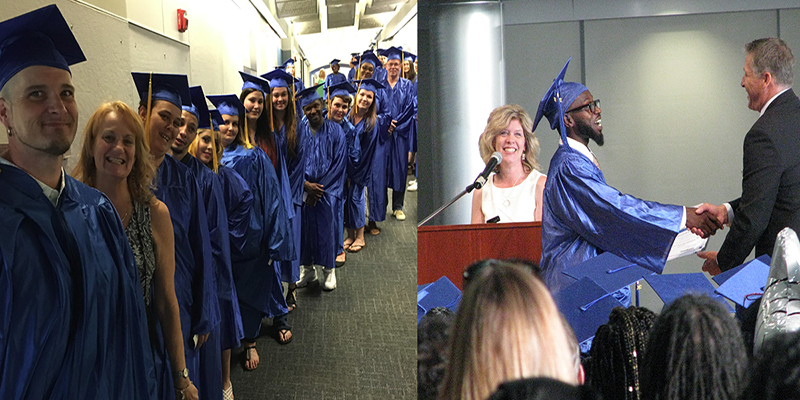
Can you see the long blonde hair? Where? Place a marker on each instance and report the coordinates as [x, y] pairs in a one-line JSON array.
[[507, 327], [497, 122], [217, 138], [140, 181]]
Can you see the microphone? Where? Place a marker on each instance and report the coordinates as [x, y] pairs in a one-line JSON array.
[[481, 179]]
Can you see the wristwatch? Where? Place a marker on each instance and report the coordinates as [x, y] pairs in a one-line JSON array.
[[184, 373]]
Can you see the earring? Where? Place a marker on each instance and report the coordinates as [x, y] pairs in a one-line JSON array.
[[9, 132]]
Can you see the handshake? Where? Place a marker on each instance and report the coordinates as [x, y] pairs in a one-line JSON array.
[[705, 220]]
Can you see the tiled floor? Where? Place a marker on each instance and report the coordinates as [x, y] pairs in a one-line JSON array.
[[356, 342]]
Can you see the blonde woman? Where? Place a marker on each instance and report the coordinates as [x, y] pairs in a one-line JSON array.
[[115, 159], [514, 192], [507, 328]]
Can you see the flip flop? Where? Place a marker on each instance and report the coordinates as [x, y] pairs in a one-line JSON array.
[[346, 245], [338, 262], [247, 348], [355, 248], [280, 336]]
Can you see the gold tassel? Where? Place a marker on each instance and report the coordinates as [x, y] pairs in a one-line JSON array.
[[214, 159], [149, 105], [247, 143]]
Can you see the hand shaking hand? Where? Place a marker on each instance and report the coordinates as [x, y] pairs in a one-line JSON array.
[[703, 223]]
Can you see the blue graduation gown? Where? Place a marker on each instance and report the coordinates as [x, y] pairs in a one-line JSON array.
[[359, 172], [288, 271], [72, 319], [353, 153], [400, 103], [330, 80], [380, 75], [583, 217], [268, 238], [326, 161], [195, 281], [295, 170], [351, 75]]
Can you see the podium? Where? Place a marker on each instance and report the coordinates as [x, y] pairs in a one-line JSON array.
[[446, 250]]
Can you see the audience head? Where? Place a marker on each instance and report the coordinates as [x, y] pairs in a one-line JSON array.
[[507, 328], [509, 131], [433, 334], [694, 351], [617, 351], [775, 371], [114, 146]]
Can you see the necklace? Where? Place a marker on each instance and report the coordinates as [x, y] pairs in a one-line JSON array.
[[507, 201]]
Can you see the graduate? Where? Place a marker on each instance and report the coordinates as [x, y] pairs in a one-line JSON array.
[[399, 98], [160, 108], [257, 277], [380, 70], [288, 67], [582, 216], [332, 79], [72, 322], [354, 62], [410, 73], [367, 125], [339, 106], [207, 149], [290, 141], [326, 160]]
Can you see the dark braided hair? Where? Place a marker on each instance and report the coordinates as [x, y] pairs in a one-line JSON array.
[[433, 335], [776, 369], [695, 351], [617, 350]]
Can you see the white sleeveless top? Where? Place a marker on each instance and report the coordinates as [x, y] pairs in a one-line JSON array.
[[514, 204]]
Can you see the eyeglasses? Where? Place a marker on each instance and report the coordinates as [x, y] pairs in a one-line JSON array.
[[593, 107]]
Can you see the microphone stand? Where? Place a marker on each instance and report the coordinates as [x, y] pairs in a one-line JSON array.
[[477, 184]]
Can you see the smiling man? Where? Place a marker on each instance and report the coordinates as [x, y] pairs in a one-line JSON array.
[[72, 319]]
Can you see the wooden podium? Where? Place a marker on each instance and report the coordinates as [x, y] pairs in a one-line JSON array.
[[448, 249]]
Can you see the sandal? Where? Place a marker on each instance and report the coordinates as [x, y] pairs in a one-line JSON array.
[[280, 335], [340, 259], [247, 356], [373, 229], [347, 243], [227, 394], [355, 247], [291, 298]]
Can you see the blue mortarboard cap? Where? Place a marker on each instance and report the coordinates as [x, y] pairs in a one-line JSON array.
[[747, 284], [381, 52], [721, 278], [441, 293], [308, 95], [669, 287], [286, 63], [254, 82], [216, 119], [368, 84], [341, 89], [409, 57], [278, 78], [393, 53], [586, 306], [555, 102], [168, 87], [227, 104], [40, 37], [354, 54], [370, 58], [335, 61], [609, 271], [198, 108]]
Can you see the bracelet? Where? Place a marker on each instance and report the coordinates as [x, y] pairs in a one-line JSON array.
[[183, 391]]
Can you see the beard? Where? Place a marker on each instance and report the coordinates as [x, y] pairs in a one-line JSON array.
[[586, 131]]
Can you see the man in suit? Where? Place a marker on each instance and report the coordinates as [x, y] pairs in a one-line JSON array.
[[770, 198]]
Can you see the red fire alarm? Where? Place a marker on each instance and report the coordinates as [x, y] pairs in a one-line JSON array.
[[183, 22]]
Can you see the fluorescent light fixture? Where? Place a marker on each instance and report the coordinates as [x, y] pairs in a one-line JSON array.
[[267, 15]]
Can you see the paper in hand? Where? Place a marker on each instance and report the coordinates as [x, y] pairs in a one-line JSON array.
[[686, 243]]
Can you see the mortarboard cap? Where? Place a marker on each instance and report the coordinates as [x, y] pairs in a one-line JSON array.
[[721, 278], [168, 87], [555, 102], [227, 104], [254, 82], [441, 293], [308, 95], [40, 37], [586, 306], [334, 61], [341, 89], [370, 58], [669, 287], [409, 57], [368, 84], [286, 63], [198, 108], [609, 271], [354, 54], [216, 119], [278, 78], [746, 285], [393, 53]]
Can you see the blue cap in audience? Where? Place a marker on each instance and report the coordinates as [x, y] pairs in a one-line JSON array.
[[609, 271], [40, 37], [278, 78], [254, 82], [168, 87], [747, 284], [557, 100], [586, 306], [198, 108], [441, 293], [308, 95], [342, 89], [721, 278], [393, 53], [335, 61], [670, 287], [368, 84], [370, 58], [227, 104], [409, 57], [286, 63]]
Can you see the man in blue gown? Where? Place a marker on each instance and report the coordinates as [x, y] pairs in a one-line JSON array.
[[162, 96], [72, 320], [583, 216], [326, 160]]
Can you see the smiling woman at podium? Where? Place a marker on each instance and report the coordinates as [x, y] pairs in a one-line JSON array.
[[513, 193]]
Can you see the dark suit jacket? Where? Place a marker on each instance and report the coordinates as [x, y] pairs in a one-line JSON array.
[[770, 183]]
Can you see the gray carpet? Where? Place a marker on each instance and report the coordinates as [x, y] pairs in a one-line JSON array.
[[356, 342]]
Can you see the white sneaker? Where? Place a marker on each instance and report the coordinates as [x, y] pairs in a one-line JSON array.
[[412, 186], [400, 215], [307, 275], [330, 278]]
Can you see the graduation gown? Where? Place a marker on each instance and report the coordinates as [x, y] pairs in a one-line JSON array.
[[378, 172], [72, 319], [353, 153], [583, 217], [400, 105], [268, 238], [326, 161], [330, 80], [359, 171], [195, 280], [295, 171]]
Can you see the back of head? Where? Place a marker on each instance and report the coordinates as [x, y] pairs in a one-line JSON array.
[[433, 334], [775, 371], [617, 351], [507, 328], [772, 55], [542, 389], [695, 351]]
